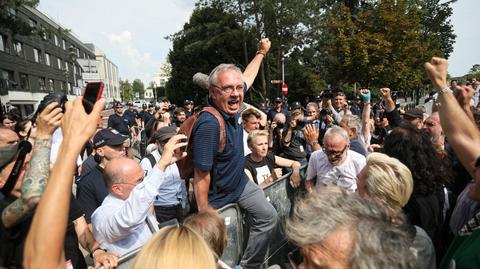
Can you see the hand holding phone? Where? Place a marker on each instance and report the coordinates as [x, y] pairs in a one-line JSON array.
[[93, 93]]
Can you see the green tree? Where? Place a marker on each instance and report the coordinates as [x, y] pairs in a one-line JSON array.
[[209, 38], [126, 90], [15, 24], [139, 88]]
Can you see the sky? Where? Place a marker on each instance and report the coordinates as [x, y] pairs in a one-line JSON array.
[[132, 33]]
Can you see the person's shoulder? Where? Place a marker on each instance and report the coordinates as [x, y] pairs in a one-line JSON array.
[[318, 154], [90, 176], [356, 157], [207, 120]]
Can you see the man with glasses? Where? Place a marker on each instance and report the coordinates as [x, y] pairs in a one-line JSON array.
[[219, 177], [336, 164], [121, 222], [91, 190]]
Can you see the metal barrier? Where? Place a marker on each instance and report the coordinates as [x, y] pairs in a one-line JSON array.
[[280, 194]]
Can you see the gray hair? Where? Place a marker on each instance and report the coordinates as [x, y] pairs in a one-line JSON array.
[[378, 243], [336, 130], [213, 77], [312, 104], [354, 122]]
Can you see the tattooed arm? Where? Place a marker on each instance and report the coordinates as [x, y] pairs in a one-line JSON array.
[[34, 182], [37, 170]]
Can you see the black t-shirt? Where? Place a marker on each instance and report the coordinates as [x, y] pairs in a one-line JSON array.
[[296, 149], [13, 238], [120, 123], [145, 116], [131, 115], [260, 170], [91, 191]]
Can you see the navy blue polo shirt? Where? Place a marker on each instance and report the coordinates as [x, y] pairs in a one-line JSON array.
[[230, 164], [120, 123]]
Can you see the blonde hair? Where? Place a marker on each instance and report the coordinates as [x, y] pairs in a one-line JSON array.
[[254, 134], [388, 181], [211, 226], [175, 248]]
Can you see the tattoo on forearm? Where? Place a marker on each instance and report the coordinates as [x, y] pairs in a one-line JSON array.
[[38, 170], [33, 185]]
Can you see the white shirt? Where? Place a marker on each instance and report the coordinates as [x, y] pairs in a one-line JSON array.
[[344, 174], [246, 149], [173, 190], [120, 225]]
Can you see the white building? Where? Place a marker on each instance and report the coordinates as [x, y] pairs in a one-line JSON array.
[[108, 74]]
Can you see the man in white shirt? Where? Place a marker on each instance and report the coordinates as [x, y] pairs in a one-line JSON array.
[[120, 223], [335, 164]]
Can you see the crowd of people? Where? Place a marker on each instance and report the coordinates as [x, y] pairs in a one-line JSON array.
[[382, 188]]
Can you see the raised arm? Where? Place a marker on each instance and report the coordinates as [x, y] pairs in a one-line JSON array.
[[38, 169], [44, 244], [463, 135], [252, 68], [365, 95]]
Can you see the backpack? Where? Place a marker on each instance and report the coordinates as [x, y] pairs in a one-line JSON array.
[[185, 165]]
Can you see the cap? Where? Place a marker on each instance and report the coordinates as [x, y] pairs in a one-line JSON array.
[[151, 105], [277, 100], [108, 137], [7, 154], [415, 113], [296, 105], [318, 98], [164, 133], [129, 104], [144, 106]]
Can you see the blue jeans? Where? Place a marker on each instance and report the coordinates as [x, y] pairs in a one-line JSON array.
[[262, 218]]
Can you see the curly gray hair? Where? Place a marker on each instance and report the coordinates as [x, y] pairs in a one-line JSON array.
[[378, 243]]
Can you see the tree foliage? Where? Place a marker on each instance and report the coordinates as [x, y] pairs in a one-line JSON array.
[[139, 88], [126, 90], [339, 42]]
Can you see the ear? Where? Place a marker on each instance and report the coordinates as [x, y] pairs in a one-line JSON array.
[[115, 189], [100, 152]]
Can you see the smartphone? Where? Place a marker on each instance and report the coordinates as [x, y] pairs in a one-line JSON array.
[[93, 92]]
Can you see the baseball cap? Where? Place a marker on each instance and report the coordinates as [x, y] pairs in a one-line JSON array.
[[318, 98], [414, 113], [164, 133], [296, 105], [108, 137], [277, 100], [129, 104]]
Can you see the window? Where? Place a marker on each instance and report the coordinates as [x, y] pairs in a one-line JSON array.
[[37, 54], [41, 84], [50, 85], [64, 43], [6, 79], [24, 83], [43, 32], [32, 23], [55, 39], [78, 53], [3, 44], [47, 59], [66, 66], [59, 63], [18, 47]]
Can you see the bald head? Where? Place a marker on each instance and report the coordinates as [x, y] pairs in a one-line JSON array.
[[7, 137], [120, 170]]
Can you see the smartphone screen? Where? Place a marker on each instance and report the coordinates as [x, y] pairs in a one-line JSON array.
[[93, 92]]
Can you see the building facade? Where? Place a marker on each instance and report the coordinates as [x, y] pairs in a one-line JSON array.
[[33, 66], [108, 74]]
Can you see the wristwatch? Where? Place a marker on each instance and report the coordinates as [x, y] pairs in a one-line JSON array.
[[444, 90], [314, 143]]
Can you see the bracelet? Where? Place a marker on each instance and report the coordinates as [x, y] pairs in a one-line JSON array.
[[263, 53], [95, 249], [314, 143], [444, 90]]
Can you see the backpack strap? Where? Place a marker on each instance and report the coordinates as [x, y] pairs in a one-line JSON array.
[[221, 122], [151, 158]]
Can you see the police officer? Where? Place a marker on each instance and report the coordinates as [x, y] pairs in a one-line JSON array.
[[120, 122]]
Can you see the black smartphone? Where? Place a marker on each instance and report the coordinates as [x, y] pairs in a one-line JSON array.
[[93, 92]]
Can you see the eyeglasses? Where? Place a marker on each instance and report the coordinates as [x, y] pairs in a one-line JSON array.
[[230, 89], [335, 153], [295, 258]]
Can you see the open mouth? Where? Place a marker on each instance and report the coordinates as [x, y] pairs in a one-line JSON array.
[[233, 102]]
